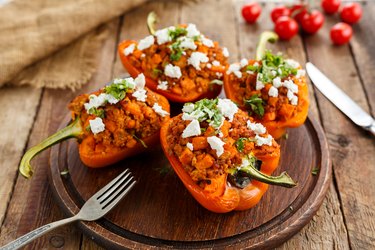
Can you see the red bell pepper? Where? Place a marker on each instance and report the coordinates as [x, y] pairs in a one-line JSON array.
[[92, 153], [220, 196]]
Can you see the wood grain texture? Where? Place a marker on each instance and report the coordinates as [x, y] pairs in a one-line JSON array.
[[19, 108], [350, 146], [34, 194]]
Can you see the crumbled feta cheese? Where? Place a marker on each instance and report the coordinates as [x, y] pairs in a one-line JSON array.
[[244, 62], [215, 63], [276, 82], [289, 94], [146, 42], [260, 141], [256, 64], [209, 65], [162, 36], [196, 58], [97, 125], [227, 108], [172, 71], [225, 52], [292, 63], [111, 99], [290, 85], [188, 108], [143, 55], [192, 30], [256, 127], [140, 95], [221, 135], [95, 101], [207, 42], [294, 100], [235, 69], [273, 92], [190, 146], [300, 73], [187, 43], [259, 84], [129, 50], [250, 72], [163, 85], [140, 81], [159, 110], [192, 129], [217, 144], [219, 74]]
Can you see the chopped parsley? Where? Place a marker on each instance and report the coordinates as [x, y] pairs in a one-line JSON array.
[[207, 110], [119, 88], [176, 51], [97, 112], [273, 65], [240, 143], [157, 71], [256, 105], [139, 140], [177, 32], [315, 171]]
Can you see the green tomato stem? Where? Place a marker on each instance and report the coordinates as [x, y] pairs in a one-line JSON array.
[[72, 130], [283, 179], [152, 19], [266, 36]]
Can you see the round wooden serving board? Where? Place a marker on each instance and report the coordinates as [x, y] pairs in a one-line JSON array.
[[159, 212]]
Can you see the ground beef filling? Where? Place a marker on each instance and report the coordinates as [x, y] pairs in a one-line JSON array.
[[202, 164], [156, 57], [125, 122]]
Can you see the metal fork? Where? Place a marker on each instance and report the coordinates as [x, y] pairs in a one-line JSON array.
[[94, 208]]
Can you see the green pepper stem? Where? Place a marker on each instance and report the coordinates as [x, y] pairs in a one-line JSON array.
[[283, 179], [152, 19], [72, 130], [266, 36]]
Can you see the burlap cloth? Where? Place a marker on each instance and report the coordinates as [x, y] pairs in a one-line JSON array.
[[54, 43]]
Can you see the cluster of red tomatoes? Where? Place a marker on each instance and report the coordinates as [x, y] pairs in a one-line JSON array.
[[288, 19]]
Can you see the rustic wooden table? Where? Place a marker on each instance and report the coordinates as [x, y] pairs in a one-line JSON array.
[[347, 217]]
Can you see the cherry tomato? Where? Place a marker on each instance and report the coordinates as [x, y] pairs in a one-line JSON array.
[[251, 12], [278, 12], [298, 11], [331, 6], [286, 27], [351, 13], [312, 22], [341, 33]]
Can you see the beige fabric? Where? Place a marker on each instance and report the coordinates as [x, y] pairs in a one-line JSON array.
[[43, 42]]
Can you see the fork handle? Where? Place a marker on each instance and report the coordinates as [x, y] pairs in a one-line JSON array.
[[27, 238]]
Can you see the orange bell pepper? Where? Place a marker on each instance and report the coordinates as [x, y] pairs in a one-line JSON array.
[[220, 196], [276, 125], [92, 153]]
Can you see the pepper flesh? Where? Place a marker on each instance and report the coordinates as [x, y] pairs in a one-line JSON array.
[[221, 197], [152, 84]]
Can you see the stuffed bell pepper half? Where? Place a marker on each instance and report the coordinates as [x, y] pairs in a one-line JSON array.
[[222, 156], [178, 61], [118, 121]]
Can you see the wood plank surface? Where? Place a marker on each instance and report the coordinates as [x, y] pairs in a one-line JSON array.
[[350, 146], [346, 218]]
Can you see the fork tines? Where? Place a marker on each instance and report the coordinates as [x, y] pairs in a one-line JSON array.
[[114, 191]]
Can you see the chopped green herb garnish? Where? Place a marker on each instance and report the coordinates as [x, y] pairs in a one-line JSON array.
[[253, 68], [140, 141], [176, 51], [285, 136], [240, 143], [164, 170], [315, 171], [97, 112], [206, 110], [64, 172], [88, 128], [177, 32], [217, 82], [256, 105], [157, 71], [119, 88]]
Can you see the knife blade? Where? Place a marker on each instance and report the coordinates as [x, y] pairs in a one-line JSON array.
[[341, 100]]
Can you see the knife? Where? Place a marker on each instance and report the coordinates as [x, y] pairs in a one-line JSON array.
[[340, 99]]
